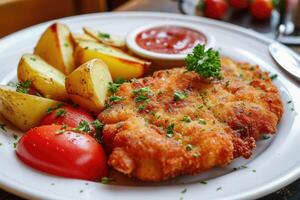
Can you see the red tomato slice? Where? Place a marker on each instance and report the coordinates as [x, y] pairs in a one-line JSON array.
[[63, 153], [215, 8], [67, 115], [261, 9]]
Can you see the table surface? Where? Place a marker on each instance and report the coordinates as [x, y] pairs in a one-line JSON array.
[[292, 191]]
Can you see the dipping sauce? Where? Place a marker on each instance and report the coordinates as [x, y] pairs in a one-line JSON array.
[[170, 39]]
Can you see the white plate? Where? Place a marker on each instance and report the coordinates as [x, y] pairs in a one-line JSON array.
[[276, 161]]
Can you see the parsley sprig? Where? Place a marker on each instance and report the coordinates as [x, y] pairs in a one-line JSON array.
[[206, 63], [24, 87], [113, 87]]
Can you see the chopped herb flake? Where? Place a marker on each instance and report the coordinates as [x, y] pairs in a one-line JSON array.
[[23, 87], [290, 101], [97, 124], [265, 137], [179, 95], [83, 127], [115, 99], [104, 35], [219, 188], [106, 180], [60, 113], [32, 58], [2, 126], [253, 170], [170, 131], [201, 121], [274, 76], [186, 119], [203, 182], [183, 191]]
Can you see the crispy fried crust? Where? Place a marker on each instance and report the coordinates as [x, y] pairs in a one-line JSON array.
[[225, 117]]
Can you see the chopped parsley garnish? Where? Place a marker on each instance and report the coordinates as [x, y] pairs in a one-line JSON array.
[[142, 90], [81, 191], [274, 76], [201, 106], [114, 87], [115, 99], [201, 121], [15, 144], [66, 45], [189, 147], [97, 124], [240, 167], [60, 113], [170, 131], [219, 188], [265, 137], [104, 35], [203, 182], [2, 126], [142, 107], [141, 98], [179, 95], [32, 58], [183, 191], [15, 137], [49, 110], [24, 87], [186, 119], [290, 101], [62, 130], [106, 180], [204, 62], [83, 127], [227, 83], [253, 170]]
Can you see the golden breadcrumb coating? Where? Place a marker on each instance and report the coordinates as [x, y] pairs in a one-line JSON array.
[[176, 122]]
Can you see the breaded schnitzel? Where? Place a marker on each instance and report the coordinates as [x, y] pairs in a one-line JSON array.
[[176, 122]]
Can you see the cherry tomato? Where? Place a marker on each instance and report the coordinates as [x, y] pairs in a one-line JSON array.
[[67, 115], [215, 8], [63, 152], [239, 4], [261, 9]]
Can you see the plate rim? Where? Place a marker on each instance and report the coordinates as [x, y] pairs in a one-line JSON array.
[[288, 177]]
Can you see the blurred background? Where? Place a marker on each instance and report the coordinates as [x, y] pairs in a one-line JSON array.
[[278, 19]]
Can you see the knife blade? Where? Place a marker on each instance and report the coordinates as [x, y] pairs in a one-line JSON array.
[[287, 59]]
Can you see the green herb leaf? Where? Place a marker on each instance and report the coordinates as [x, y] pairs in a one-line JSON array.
[[104, 35], [60, 112], [49, 110], [274, 76], [186, 119], [83, 127], [106, 180], [115, 99], [205, 63], [2, 126], [170, 131], [201, 121], [97, 124], [179, 95], [23, 87]]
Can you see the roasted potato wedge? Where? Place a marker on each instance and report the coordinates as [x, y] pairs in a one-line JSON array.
[[46, 79], [105, 38], [120, 64], [81, 37], [56, 47], [88, 85], [23, 110]]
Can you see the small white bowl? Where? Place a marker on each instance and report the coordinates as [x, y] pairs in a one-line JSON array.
[[168, 59]]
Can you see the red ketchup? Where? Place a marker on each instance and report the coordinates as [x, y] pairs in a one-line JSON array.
[[170, 39]]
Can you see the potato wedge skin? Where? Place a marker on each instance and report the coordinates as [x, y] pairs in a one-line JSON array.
[[88, 85], [23, 110], [46, 79], [56, 47], [120, 64]]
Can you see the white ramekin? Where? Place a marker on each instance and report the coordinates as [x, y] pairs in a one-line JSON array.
[[155, 56]]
